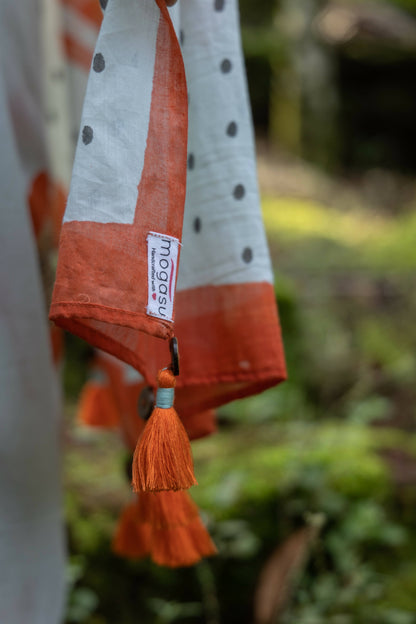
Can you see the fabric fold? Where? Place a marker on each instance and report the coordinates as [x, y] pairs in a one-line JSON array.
[[129, 179], [141, 176]]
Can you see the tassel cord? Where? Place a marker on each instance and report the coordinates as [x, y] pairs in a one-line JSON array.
[[165, 397]]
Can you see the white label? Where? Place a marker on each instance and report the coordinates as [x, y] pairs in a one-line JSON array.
[[162, 263]]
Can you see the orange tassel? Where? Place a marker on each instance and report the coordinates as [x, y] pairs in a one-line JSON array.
[[201, 538], [169, 509], [174, 547], [132, 538], [97, 406], [178, 546], [163, 459], [179, 537], [165, 525]]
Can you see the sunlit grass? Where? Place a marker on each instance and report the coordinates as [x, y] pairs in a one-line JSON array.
[[372, 240], [297, 217]]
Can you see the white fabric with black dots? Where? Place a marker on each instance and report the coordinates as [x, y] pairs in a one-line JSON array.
[[223, 236], [110, 153]]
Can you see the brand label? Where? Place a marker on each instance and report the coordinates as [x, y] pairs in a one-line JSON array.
[[162, 263]]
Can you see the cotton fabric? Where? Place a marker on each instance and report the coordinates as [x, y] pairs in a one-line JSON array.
[[224, 311]]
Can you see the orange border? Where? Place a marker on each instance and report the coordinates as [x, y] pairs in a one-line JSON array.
[[88, 10], [76, 52]]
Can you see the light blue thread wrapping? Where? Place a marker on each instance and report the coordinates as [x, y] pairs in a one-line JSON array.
[[164, 397]]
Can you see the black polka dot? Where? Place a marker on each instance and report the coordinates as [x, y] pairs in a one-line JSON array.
[[247, 255], [191, 161], [239, 191], [232, 129], [226, 66], [103, 4], [87, 134], [181, 37], [197, 224], [219, 5], [98, 64]]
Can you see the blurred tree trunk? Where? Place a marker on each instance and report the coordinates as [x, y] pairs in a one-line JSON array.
[[303, 101]]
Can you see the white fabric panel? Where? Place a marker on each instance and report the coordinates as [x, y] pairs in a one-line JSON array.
[[86, 35], [223, 236], [175, 16], [110, 153], [31, 535], [77, 79]]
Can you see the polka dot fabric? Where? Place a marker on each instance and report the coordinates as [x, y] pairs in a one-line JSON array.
[[222, 181], [116, 116], [128, 180], [136, 154]]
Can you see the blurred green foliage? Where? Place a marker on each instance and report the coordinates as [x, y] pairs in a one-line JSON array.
[[337, 95]]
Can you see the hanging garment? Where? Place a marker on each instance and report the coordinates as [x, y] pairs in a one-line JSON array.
[[143, 196], [122, 231]]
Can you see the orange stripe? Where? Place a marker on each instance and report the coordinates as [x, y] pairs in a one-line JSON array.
[[39, 202], [47, 205], [97, 406], [57, 343], [76, 52], [89, 10], [229, 339], [230, 345]]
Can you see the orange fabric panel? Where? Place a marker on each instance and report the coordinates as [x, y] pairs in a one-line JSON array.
[[97, 406], [46, 201], [57, 344], [76, 52], [209, 349], [88, 9], [98, 294], [39, 203], [47, 205]]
